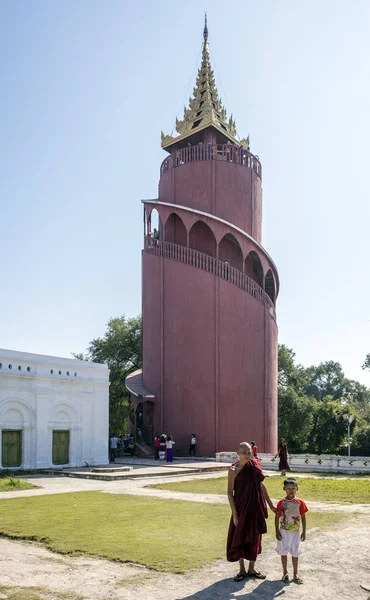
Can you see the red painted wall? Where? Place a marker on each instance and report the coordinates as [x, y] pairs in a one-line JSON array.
[[214, 339], [227, 190]]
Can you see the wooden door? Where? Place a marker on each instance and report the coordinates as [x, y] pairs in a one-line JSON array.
[[11, 448], [60, 447]]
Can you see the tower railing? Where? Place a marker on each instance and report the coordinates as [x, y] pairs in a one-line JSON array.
[[210, 264], [206, 152]]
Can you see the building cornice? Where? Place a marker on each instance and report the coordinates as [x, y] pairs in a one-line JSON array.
[[43, 359]]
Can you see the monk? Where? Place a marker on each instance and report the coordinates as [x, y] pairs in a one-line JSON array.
[[247, 497], [283, 456]]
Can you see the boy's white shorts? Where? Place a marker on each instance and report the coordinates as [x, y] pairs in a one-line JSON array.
[[289, 543]]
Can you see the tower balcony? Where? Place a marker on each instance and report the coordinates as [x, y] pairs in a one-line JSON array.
[[209, 152], [212, 265]]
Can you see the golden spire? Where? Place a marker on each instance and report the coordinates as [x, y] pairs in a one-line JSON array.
[[205, 106]]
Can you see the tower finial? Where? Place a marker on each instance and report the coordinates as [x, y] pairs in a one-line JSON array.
[[205, 108], [205, 30]]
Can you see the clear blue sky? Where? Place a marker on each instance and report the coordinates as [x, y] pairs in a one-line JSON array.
[[87, 86]]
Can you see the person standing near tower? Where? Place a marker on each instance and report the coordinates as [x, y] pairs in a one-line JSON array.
[[193, 443], [113, 444], [247, 498], [254, 450], [169, 448], [157, 445], [283, 457]]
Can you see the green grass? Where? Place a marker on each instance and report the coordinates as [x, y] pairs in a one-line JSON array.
[[330, 475], [166, 535], [12, 484], [354, 491], [35, 593]]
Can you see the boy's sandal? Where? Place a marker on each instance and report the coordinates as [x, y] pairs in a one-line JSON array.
[[257, 575], [297, 579], [285, 578], [240, 576]]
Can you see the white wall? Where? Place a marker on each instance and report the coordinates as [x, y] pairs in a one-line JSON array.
[[309, 463], [39, 394]]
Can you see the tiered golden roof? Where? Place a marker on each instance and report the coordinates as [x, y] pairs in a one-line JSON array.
[[205, 107]]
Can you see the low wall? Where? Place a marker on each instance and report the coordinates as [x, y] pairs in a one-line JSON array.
[[309, 463]]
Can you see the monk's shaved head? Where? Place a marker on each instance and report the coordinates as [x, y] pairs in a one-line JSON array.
[[245, 446]]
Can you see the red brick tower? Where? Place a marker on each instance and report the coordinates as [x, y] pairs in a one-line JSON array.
[[209, 289]]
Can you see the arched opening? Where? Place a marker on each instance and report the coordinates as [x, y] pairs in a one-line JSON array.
[[154, 226], [253, 268], [64, 420], [270, 285], [201, 238], [144, 422], [175, 231], [17, 422], [229, 251]]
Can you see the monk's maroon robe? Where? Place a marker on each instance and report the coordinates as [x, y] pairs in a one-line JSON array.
[[283, 455], [245, 540]]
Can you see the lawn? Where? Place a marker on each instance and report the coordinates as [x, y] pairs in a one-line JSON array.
[[166, 535], [12, 484], [33, 593], [356, 491]]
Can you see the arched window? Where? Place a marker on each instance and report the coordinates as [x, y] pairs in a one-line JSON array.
[[270, 285], [253, 268], [154, 224], [201, 238], [175, 231], [229, 251]]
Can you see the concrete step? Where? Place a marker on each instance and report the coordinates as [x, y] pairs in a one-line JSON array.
[[110, 469], [135, 473]]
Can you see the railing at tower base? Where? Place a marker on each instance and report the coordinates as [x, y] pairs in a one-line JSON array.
[[209, 264]]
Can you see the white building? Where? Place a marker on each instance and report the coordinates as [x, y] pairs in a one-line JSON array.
[[53, 411]]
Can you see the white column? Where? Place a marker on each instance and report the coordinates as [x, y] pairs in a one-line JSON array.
[[43, 446], [101, 423], [88, 426], [28, 447], [75, 446]]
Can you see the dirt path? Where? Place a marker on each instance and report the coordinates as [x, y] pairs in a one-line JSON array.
[[333, 564]]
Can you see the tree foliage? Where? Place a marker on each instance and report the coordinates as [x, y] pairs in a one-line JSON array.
[[120, 349], [366, 364], [312, 402], [296, 417]]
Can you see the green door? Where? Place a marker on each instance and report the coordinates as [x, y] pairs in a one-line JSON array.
[[60, 447], [11, 448]]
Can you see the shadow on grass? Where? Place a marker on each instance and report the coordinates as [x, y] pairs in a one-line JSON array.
[[227, 588]]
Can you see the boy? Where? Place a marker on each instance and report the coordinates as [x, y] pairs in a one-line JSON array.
[[290, 511]]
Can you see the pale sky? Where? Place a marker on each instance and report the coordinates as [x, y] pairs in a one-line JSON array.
[[87, 86]]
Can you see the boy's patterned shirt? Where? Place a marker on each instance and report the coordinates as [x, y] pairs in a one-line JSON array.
[[290, 512]]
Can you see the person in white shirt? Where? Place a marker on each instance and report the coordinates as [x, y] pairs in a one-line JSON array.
[[169, 448], [193, 443], [113, 447]]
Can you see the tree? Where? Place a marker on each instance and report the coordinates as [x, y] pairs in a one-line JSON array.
[[356, 393], [329, 427], [120, 349], [366, 364], [290, 374], [296, 418], [327, 379], [312, 402]]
